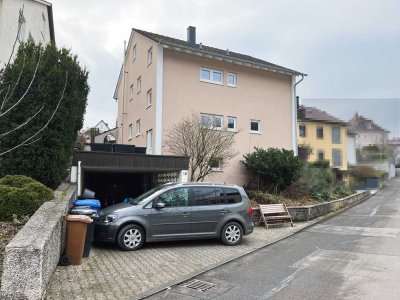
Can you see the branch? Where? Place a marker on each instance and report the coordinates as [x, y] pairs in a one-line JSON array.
[[23, 124], [47, 123]]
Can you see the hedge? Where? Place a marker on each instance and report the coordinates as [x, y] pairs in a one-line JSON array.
[[21, 196]]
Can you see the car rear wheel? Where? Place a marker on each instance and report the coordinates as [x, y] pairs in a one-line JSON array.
[[232, 234], [130, 237]]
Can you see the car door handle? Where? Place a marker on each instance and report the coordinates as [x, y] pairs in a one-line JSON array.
[[185, 214], [222, 211]]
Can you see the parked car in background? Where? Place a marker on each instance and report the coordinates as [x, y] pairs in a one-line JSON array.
[[178, 211]]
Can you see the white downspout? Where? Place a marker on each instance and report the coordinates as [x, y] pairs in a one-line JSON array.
[[79, 179], [294, 113]]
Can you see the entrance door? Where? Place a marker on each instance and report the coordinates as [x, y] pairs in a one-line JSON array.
[[172, 221]]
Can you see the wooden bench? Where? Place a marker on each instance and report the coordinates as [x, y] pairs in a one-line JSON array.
[[274, 214]]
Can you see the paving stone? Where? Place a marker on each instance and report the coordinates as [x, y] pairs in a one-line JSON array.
[[113, 274]]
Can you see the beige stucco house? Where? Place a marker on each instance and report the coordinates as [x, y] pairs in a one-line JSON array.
[[23, 19], [164, 79]]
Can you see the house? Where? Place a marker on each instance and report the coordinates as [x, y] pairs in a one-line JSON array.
[[325, 135], [367, 132], [351, 147], [23, 19], [102, 126], [164, 79]]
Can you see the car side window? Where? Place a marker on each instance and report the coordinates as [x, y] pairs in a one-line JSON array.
[[232, 195], [207, 196], [174, 198]]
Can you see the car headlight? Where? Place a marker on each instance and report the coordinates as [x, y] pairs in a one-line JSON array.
[[107, 218]]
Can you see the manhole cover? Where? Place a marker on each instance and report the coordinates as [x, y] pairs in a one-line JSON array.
[[198, 285]]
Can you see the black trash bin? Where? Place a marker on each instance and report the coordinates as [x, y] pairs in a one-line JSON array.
[[87, 211]]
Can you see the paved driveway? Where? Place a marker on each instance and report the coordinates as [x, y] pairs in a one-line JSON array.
[[113, 274]]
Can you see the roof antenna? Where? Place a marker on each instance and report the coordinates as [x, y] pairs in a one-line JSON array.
[[227, 52]]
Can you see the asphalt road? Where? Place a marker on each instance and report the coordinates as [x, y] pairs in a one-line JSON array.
[[354, 255]]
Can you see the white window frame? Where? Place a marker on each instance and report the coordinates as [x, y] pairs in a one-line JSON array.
[[138, 84], [234, 129], [211, 121], [149, 98], [211, 80], [130, 131], [220, 166], [149, 141], [138, 127], [259, 126], [149, 56], [131, 92], [227, 79], [133, 53]]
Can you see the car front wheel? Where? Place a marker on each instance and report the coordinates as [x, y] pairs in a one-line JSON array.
[[130, 237], [232, 234]]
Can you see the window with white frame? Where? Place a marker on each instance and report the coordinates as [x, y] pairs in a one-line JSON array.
[[149, 56], [149, 98], [134, 52], [131, 92], [138, 85], [149, 148], [231, 124], [130, 131], [212, 76], [231, 80], [138, 127], [216, 164], [211, 121], [255, 126]]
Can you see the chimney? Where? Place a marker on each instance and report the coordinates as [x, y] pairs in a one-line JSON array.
[[191, 35]]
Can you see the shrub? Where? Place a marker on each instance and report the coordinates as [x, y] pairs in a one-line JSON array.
[[318, 181], [276, 167], [21, 196]]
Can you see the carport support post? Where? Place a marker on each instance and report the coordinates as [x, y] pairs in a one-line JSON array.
[[79, 179], [183, 176]]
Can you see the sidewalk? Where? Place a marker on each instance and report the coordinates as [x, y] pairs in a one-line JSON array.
[[113, 274]]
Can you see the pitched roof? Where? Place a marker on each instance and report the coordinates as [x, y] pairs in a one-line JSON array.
[[314, 114], [225, 54], [359, 123]]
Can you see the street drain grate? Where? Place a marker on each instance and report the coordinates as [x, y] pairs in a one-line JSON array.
[[198, 285]]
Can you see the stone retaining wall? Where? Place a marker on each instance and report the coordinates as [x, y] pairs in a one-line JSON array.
[[309, 212], [31, 257]]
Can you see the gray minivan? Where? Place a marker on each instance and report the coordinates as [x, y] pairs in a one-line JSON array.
[[178, 211]]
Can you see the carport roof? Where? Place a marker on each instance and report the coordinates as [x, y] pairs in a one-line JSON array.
[[129, 162]]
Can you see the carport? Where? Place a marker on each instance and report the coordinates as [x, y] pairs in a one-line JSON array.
[[115, 176]]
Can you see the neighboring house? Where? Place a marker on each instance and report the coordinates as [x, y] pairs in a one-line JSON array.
[[351, 147], [102, 126], [394, 145], [367, 132], [164, 79], [23, 19], [325, 135], [107, 137]]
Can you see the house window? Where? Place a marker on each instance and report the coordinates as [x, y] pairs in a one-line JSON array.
[[212, 76], [130, 131], [139, 85], [138, 127], [149, 56], [231, 123], [302, 130], [336, 157], [231, 80], [336, 135], [131, 92], [216, 164], [211, 121], [134, 52], [255, 126], [320, 132], [149, 100], [149, 148], [320, 155]]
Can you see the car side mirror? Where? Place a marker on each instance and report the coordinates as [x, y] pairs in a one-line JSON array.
[[159, 205]]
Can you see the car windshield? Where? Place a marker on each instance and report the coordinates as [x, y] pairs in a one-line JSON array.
[[141, 198]]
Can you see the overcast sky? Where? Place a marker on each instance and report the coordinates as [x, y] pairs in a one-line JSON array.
[[350, 49]]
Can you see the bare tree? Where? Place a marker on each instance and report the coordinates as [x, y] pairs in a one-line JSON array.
[[7, 89], [206, 146]]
